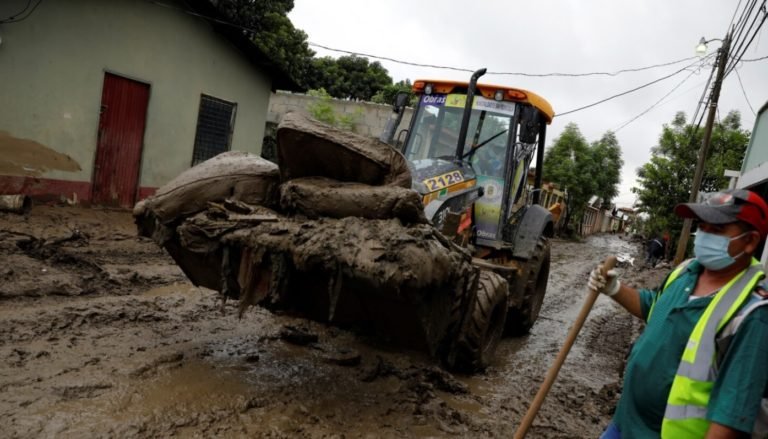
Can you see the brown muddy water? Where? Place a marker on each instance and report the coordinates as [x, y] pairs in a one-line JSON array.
[[101, 335]]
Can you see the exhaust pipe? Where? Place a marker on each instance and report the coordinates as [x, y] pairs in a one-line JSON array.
[[15, 203], [467, 112]]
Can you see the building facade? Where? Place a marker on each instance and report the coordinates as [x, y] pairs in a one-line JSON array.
[[754, 169], [104, 101]]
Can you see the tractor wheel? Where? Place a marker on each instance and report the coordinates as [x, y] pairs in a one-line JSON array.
[[534, 281], [475, 344]]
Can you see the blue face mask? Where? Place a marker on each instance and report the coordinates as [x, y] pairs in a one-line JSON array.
[[712, 250]]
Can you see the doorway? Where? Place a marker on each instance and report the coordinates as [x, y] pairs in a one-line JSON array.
[[120, 140]]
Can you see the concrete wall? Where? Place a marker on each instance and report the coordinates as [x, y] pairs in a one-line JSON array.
[[52, 69], [372, 120]]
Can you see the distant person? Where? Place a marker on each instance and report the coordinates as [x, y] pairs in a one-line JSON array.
[[666, 238], [654, 251], [699, 368]]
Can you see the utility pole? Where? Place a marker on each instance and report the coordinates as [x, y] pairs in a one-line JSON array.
[[682, 243]]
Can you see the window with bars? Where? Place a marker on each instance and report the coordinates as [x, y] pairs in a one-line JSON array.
[[215, 123]]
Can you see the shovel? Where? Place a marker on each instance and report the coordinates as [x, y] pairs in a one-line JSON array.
[[533, 410]]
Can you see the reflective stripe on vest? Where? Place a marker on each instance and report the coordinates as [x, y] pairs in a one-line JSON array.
[[685, 415], [760, 428]]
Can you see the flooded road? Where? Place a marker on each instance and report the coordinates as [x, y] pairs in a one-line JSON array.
[[102, 335]]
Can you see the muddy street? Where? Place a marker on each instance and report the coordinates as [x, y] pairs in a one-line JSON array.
[[102, 335]]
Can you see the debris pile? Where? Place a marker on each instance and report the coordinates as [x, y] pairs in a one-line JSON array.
[[333, 233]]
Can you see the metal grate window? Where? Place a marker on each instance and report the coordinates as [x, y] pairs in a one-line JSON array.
[[215, 123]]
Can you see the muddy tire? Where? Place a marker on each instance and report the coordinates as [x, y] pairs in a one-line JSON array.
[[520, 319], [475, 344]]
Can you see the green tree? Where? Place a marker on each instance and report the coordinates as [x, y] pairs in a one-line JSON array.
[[273, 33], [667, 178], [606, 163], [568, 162], [348, 77], [387, 94], [322, 110]]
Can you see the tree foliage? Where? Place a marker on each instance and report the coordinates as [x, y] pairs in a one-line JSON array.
[[322, 110], [567, 164], [348, 77], [606, 163], [273, 33], [667, 178], [387, 94], [584, 170]]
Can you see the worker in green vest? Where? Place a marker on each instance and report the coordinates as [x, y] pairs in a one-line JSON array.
[[700, 368]]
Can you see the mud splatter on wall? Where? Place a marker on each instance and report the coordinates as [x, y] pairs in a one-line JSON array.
[[25, 157]]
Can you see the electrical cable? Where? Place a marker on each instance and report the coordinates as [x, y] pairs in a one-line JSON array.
[[734, 14], [459, 69], [740, 49], [739, 27], [741, 23], [17, 20], [738, 76], [29, 2], [703, 98], [755, 59], [657, 103], [732, 27], [648, 84], [538, 75], [736, 60]]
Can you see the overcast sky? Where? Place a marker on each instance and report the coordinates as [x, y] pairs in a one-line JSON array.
[[548, 36]]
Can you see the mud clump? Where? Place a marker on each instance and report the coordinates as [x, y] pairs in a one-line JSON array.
[[341, 237], [316, 197]]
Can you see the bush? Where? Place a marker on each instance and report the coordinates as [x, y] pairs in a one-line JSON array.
[[322, 110]]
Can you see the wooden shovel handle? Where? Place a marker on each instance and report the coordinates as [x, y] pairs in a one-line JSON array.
[[538, 400]]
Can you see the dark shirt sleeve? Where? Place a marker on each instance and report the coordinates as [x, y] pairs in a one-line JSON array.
[[739, 388]]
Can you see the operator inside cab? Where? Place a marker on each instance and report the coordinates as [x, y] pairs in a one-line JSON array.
[[489, 159]]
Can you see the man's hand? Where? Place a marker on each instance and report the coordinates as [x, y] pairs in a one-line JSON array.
[[608, 284]]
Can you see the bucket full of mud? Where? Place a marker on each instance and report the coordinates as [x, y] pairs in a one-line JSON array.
[[333, 233]]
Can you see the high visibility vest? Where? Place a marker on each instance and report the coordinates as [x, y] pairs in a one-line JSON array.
[[685, 414]]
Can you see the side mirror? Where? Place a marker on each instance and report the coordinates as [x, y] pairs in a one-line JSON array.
[[401, 100], [530, 123]]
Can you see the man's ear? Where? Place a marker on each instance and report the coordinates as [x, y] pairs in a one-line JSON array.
[[753, 243]]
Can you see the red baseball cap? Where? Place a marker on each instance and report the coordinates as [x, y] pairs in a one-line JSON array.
[[728, 207]]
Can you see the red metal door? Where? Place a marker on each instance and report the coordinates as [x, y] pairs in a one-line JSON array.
[[120, 139]]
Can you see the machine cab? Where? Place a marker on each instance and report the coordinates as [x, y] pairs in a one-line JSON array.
[[494, 156]]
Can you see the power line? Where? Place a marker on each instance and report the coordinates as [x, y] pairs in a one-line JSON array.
[[738, 76], [14, 19], [736, 60], [734, 13], [434, 66], [461, 69], [755, 59], [741, 49], [740, 25], [553, 74], [648, 84], [662, 98], [29, 2], [702, 101]]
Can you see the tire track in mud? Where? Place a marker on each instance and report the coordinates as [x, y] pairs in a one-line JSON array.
[[583, 397]]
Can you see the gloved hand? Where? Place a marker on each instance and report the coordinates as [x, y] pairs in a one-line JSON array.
[[608, 284]]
